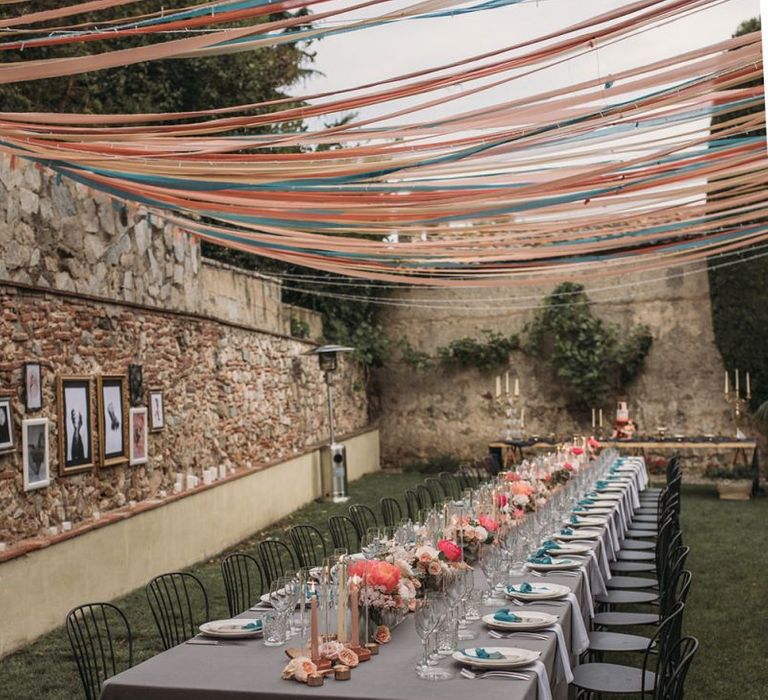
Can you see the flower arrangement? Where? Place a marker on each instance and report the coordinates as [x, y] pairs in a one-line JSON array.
[[382, 584]]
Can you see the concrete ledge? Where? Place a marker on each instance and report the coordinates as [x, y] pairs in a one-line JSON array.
[[38, 588]]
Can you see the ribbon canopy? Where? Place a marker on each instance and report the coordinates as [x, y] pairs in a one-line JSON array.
[[623, 170]]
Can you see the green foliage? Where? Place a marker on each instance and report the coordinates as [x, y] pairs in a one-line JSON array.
[[434, 465], [740, 471], [417, 359], [299, 328], [738, 286], [156, 86], [463, 353], [582, 351]]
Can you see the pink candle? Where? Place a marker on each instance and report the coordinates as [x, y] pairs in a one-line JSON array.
[[355, 632], [314, 641]]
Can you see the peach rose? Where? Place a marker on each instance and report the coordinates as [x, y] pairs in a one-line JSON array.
[[382, 635], [299, 668], [385, 575], [349, 658], [331, 649], [521, 488], [434, 568], [488, 523]]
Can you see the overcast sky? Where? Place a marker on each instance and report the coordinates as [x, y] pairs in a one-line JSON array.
[[362, 56]]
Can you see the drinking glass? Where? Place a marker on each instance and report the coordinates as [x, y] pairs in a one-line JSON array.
[[274, 629], [427, 618]]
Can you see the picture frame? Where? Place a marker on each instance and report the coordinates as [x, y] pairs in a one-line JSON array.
[[113, 424], [156, 410], [138, 435], [33, 386], [135, 381], [7, 442], [36, 453], [75, 424]]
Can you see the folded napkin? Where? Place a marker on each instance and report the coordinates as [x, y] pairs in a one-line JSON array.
[[549, 544], [601, 484], [586, 501], [256, 625], [575, 520], [566, 531], [524, 587], [504, 615], [481, 653], [540, 559], [579, 509]]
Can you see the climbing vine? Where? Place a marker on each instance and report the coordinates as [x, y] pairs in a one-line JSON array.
[[487, 353]]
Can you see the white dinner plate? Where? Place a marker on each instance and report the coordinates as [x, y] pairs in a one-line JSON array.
[[513, 657], [607, 497], [541, 591], [529, 620], [569, 549], [592, 510], [580, 534], [232, 629], [557, 564], [585, 521]]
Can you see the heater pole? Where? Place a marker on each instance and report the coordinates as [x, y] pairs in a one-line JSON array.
[[329, 383]]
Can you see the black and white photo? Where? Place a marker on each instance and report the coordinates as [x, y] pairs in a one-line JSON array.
[[135, 381], [156, 410], [6, 424], [112, 420], [75, 421], [36, 463], [33, 389]]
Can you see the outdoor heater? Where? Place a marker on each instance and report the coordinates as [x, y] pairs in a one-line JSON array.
[[333, 457]]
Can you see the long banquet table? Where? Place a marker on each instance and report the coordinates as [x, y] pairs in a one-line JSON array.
[[246, 668]]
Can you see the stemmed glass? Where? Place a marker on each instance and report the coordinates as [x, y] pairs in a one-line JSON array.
[[281, 598], [492, 564], [427, 617]]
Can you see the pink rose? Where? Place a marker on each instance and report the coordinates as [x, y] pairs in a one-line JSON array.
[[577, 450], [382, 634], [488, 523], [502, 499], [568, 467], [518, 513], [513, 476], [434, 568], [450, 550], [594, 444]]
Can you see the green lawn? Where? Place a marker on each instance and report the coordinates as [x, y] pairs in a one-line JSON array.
[[725, 608]]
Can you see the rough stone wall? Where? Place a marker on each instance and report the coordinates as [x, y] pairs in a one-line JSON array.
[[681, 387], [232, 395]]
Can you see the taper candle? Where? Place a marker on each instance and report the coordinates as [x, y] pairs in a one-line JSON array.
[[737, 382], [506, 383], [498, 386], [341, 608], [726, 384], [517, 387], [593, 417], [522, 417], [749, 393], [601, 418], [314, 632], [354, 637]]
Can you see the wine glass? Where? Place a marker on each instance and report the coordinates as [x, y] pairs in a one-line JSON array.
[[427, 617]]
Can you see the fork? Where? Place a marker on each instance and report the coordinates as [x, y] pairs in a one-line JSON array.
[[512, 635], [518, 676]]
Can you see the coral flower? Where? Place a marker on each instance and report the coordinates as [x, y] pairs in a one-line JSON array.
[[488, 523], [522, 488], [450, 550]]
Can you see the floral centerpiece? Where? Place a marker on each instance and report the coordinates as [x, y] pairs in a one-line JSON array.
[[387, 590]]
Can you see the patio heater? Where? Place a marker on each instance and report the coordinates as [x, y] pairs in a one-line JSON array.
[[333, 457]]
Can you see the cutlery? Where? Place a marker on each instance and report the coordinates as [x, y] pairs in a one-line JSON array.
[[512, 635], [514, 675]]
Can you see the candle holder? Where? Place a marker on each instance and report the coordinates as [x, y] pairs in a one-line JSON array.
[[738, 406], [507, 405]]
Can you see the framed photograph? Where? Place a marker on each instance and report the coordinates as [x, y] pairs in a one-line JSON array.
[[6, 424], [113, 428], [75, 424], [34, 441], [135, 379], [138, 430], [33, 386], [156, 413]]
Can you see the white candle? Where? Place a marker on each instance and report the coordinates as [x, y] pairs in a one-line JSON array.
[[601, 417], [177, 487], [498, 386], [749, 393], [506, 383], [593, 417], [3, 546], [726, 383], [517, 387], [522, 417], [737, 383], [222, 471]]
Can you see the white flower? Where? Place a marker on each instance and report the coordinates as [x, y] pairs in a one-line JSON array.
[[481, 534]]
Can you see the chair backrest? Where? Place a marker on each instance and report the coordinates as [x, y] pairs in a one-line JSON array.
[[99, 634], [425, 497], [464, 479], [363, 518], [675, 589], [309, 545], [671, 679], [666, 636], [276, 559], [243, 581], [344, 533], [412, 504], [179, 604], [436, 489], [391, 512], [450, 484]]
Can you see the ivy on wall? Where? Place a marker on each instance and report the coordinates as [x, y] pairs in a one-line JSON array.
[[738, 287], [464, 353], [583, 352]]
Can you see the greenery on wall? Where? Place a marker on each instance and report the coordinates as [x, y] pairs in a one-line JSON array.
[[585, 353], [738, 285], [464, 353]]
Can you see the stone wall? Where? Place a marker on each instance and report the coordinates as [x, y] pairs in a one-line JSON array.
[[232, 395], [424, 415]]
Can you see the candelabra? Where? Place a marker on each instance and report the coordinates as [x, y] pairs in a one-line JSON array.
[[738, 407], [507, 406]]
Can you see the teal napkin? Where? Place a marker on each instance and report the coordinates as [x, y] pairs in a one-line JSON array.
[[579, 509], [504, 615], [524, 587], [602, 484], [483, 654], [253, 625], [549, 544], [586, 501], [566, 531], [540, 560], [575, 520]]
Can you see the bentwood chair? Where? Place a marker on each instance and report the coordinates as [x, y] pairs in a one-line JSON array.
[[101, 642], [676, 671], [450, 484], [425, 497], [412, 505], [344, 533], [179, 605], [243, 582], [276, 560], [391, 512], [309, 545], [436, 489], [363, 518]]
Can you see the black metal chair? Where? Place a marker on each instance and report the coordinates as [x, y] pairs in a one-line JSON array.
[[98, 634], [243, 581], [309, 545], [344, 533], [276, 559], [363, 518], [179, 604], [412, 505], [436, 489], [450, 484], [464, 481], [676, 670], [425, 497], [391, 512]]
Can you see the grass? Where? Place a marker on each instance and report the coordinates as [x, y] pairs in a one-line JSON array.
[[725, 607]]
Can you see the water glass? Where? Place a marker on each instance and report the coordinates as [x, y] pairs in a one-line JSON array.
[[274, 629]]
